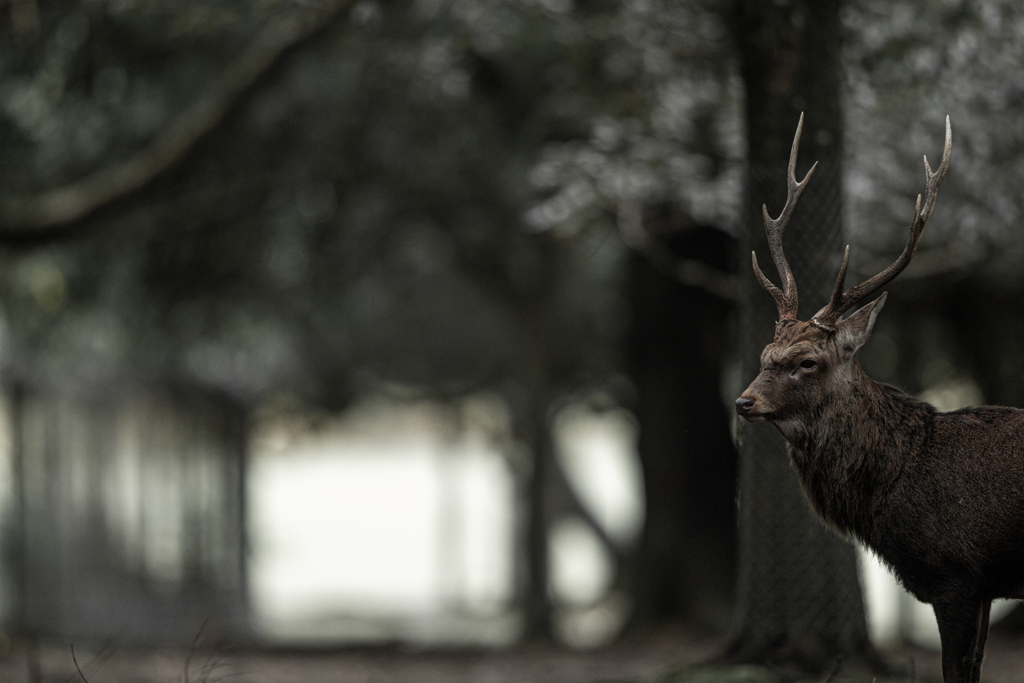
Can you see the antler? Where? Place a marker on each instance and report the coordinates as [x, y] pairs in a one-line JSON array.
[[844, 301], [786, 299]]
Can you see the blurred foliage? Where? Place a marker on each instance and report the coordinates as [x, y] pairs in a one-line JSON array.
[[420, 193], [424, 193], [908, 65]]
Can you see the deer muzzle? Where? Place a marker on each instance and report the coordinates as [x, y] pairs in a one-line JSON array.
[[744, 405], [751, 408]]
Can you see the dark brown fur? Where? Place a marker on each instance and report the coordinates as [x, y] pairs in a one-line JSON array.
[[939, 497]]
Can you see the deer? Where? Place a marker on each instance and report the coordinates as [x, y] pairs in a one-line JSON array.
[[937, 496]]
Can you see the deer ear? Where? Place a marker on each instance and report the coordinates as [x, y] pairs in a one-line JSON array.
[[856, 329]]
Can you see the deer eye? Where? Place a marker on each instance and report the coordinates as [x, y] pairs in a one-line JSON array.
[[807, 364]]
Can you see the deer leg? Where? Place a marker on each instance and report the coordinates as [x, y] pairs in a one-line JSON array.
[[979, 649], [959, 629]]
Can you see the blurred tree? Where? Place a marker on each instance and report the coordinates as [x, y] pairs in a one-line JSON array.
[[686, 562], [665, 163]]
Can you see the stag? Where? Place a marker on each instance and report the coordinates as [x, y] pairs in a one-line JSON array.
[[938, 497]]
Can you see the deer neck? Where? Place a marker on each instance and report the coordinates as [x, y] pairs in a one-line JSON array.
[[852, 448]]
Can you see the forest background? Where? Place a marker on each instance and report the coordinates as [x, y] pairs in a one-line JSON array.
[[277, 210]]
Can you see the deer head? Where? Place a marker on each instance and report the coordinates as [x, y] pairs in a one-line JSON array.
[[808, 362]]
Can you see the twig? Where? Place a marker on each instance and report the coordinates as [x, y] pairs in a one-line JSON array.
[[75, 660], [212, 665], [778, 672], [195, 644], [69, 203], [106, 651]]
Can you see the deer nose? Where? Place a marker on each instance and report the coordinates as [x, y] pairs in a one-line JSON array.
[[744, 405]]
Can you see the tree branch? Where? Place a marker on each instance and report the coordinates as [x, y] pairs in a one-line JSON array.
[[690, 272], [571, 502], [62, 205]]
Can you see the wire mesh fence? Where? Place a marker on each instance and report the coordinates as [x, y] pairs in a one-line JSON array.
[[798, 595]]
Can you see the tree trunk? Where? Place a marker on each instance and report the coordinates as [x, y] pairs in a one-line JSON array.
[[798, 598], [685, 564], [538, 601], [532, 433]]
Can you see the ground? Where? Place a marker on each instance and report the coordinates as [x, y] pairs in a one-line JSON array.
[[668, 655]]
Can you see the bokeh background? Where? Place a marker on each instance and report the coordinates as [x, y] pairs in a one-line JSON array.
[[335, 322]]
